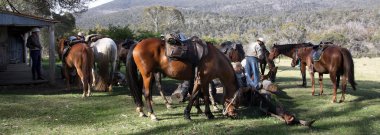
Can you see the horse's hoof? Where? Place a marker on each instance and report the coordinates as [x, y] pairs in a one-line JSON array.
[[153, 117], [187, 117], [142, 114], [341, 101], [209, 116], [334, 101]]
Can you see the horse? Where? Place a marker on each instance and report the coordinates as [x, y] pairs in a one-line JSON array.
[[233, 51], [80, 58], [105, 54], [337, 63], [123, 49], [287, 50], [149, 56]]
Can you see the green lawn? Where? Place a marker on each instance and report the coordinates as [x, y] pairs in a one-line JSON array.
[[50, 111]]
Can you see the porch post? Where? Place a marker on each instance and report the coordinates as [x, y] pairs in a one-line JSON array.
[[51, 55]]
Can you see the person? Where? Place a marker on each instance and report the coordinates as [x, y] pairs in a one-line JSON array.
[[81, 36], [253, 54], [34, 45]]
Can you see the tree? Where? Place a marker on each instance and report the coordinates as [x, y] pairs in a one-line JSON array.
[[163, 18], [66, 25], [45, 8]]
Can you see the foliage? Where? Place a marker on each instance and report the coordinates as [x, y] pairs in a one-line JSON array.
[[46, 7], [66, 25], [119, 33], [141, 34]]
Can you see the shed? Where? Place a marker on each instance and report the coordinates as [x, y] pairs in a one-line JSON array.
[[14, 31]]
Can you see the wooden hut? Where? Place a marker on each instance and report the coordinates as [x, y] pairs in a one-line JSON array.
[[14, 31]]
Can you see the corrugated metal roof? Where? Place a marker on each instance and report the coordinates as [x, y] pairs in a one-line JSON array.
[[17, 19]]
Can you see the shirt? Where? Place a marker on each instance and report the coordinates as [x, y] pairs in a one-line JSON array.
[[254, 50]]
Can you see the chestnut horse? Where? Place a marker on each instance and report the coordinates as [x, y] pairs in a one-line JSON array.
[[148, 57], [337, 63], [123, 49], [80, 57]]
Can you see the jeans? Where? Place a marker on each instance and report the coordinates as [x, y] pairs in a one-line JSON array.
[[35, 55], [252, 68]]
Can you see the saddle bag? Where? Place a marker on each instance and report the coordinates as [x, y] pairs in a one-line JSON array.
[[177, 51]]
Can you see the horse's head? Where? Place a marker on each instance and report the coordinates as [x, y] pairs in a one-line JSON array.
[[274, 52], [232, 104], [234, 51], [61, 43]]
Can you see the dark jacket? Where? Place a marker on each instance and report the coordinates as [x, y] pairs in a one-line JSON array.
[[33, 42]]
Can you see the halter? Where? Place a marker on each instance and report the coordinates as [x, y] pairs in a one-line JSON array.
[[233, 100]]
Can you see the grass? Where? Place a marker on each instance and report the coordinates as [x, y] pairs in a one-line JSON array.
[[46, 110]]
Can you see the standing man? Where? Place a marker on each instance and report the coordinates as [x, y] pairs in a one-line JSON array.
[[35, 48], [253, 54]]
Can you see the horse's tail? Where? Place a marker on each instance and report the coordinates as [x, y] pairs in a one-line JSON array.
[[348, 65], [132, 77]]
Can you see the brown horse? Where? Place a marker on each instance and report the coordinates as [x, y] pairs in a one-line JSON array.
[[287, 50], [123, 49], [148, 57], [337, 63], [79, 57]]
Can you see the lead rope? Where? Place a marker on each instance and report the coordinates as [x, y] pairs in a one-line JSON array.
[[233, 100]]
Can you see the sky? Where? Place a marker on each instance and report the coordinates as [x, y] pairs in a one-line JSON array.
[[97, 3]]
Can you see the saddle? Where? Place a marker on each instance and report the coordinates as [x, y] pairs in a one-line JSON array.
[[191, 50], [68, 45], [318, 50]]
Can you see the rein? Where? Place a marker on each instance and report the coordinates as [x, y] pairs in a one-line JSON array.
[[233, 100]]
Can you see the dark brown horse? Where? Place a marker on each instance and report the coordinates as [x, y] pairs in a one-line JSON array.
[[79, 57], [234, 51], [335, 61], [288, 50], [148, 57]]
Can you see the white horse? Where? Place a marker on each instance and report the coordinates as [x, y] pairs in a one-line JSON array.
[[105, 54]]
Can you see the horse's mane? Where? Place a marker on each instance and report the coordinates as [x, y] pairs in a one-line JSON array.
[[287, 47]]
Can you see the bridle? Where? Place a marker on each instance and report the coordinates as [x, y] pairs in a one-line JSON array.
[[225, 112]]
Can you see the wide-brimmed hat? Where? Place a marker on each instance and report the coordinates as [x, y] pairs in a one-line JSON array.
[[35, 30], [260, 39]]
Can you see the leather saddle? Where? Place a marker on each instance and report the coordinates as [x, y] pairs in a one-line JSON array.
[[318, 50], [192, 50]]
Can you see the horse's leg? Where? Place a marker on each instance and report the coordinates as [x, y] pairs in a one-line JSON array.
[[193, 96], [113, 67], [84, 81], [93, 76], [66, 73], [147, 87], [333, 80], [158, 78], [344, 85], [206, 97], [311, 70], [320, 83], [303, 73], [212, 93]]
